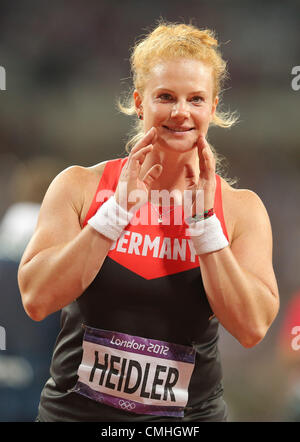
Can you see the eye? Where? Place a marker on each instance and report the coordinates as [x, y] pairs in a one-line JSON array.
[[165, 97], [197, 99]]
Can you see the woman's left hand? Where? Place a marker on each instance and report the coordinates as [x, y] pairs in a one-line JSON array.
[[206, 181]]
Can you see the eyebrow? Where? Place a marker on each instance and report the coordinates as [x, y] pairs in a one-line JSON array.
[[170, 90]]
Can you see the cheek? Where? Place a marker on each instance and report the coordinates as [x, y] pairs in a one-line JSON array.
[[203, 117], [155, 114], [204, 113]]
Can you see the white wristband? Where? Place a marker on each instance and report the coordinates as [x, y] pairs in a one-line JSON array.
[[110, 219], [207, 235]]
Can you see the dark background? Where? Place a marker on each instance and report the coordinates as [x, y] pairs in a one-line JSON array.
[[66, 65]]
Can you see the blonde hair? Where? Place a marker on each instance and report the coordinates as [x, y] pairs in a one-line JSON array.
[[170, 41]]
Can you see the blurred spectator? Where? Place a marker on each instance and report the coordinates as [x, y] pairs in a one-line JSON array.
[[29, 182], [24, 363], [16, 229], [289, 353]]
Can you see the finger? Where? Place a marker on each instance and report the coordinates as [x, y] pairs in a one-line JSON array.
[[148, 138], [137, 160], [140, 155], [152, 174], [190, 175], [201, 145], [205, 154], [209, 158], [151, 135]]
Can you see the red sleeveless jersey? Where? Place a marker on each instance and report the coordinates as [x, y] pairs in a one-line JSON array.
[[159, 250]]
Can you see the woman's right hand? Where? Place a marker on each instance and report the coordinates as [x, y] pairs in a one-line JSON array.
[[132, 190]]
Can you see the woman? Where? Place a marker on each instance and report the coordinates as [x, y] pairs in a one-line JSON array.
[[141, 298]]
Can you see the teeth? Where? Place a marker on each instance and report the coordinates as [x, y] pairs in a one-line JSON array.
[[178, 130]]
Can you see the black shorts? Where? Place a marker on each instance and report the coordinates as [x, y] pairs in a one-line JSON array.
[[214, 410]]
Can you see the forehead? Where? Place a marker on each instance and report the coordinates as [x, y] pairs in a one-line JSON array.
[[181, 73]]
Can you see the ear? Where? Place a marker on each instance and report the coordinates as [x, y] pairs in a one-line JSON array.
[[137, 101], [214, 107]]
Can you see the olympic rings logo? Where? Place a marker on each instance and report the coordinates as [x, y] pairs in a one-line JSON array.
[[126, 405]]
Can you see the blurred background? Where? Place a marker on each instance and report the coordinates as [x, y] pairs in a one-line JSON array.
[[66, 65]]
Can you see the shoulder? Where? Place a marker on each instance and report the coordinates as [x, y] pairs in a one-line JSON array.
[[242, 208], [80, 177], [81, 173], [239, 198], [76, 186], [75, 179]]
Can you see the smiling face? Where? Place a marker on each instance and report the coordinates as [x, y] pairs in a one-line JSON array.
[[178, 101]]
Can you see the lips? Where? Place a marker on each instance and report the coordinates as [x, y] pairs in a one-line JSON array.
[[178, 129]]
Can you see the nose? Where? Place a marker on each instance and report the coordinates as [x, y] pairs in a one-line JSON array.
[[180, 110]]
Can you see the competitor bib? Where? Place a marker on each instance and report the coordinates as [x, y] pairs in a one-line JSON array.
[[135, 374]]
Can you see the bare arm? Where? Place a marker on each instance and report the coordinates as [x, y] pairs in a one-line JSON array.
[[239, 280], [61, 260]]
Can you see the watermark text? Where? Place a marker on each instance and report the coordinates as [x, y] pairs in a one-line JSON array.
[[2, 338], [296, 340], [296, 80], [2, 79], [176, 205]]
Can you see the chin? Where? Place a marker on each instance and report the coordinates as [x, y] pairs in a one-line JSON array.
[[180, 146]]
